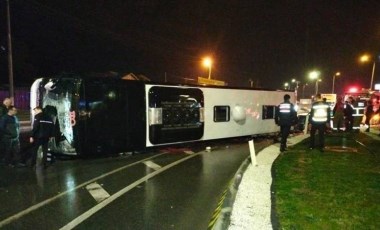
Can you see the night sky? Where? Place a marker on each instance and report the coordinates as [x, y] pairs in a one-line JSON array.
[[267, 41]]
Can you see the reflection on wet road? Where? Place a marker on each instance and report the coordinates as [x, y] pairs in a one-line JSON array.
[[148, 191]]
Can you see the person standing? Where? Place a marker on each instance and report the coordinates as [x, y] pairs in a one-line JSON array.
[[319, 120], [285, 117], [349, 114], [42, 131], [368, 113], [3, 111], [10, 142], [338, 113], [7, 102]]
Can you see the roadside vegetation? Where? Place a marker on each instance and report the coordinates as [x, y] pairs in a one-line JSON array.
[[336, 189]]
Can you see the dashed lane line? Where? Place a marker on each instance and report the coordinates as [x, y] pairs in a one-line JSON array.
[[112, 198], [152, 165], [51, 199], [97, 192]]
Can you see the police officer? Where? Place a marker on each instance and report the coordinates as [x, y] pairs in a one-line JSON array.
[[285, 117], [42, 131], [319, 119]]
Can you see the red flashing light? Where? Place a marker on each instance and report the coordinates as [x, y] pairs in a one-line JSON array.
[[353, 90]]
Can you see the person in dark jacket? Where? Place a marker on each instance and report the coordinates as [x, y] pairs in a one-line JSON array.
[[7, 102], [3, 111], [349, 114], [320, 116], [285, 117], [10, 142], [338, 113], [42, 131], [368, 112]]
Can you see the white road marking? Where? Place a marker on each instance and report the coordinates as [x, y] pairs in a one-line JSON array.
[[106, 202], [97, 192], [152, 165], [188, 152], [51, 199]]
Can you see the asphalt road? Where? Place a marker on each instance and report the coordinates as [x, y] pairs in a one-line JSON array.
[[166, 189]]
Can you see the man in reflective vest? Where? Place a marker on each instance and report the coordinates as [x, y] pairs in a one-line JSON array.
[[285, 117], [319, 119]]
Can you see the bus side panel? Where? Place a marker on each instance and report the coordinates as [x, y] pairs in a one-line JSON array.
[[251, 112], [230, 113]]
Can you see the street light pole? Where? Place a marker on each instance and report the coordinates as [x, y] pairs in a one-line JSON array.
[[373, 73], [209, 71], [10, 62], [316, 87], [332, 91], [296, 88], [366, 58], [314, 75], [333, 83], [251, 82], [207, 62], [303, 90]]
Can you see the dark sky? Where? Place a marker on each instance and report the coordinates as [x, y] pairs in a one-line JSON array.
[[268, 41]]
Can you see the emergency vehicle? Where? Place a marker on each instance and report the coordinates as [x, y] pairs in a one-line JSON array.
[[361, 98]]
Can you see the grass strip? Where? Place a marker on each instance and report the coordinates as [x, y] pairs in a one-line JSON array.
[[331, 189]]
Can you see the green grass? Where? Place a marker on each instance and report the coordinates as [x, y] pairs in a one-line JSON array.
[[330, 190]]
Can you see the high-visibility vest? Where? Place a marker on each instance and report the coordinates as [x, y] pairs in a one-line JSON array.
[[320, 112], [285, 108]]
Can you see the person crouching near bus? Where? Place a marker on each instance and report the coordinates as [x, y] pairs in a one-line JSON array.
[[285, 117], [319, 120], [10, 142], [42, 131]]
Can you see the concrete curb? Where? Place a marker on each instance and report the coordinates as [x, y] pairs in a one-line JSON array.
[[252, 208], [224, 218]]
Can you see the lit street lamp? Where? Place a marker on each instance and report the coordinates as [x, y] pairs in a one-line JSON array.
[[294, 81], [207, 62], [286, 85], [314, 75], [333, 83], [367, 58]]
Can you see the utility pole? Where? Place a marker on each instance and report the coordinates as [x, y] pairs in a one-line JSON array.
[[251, 82], [10, 62]]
